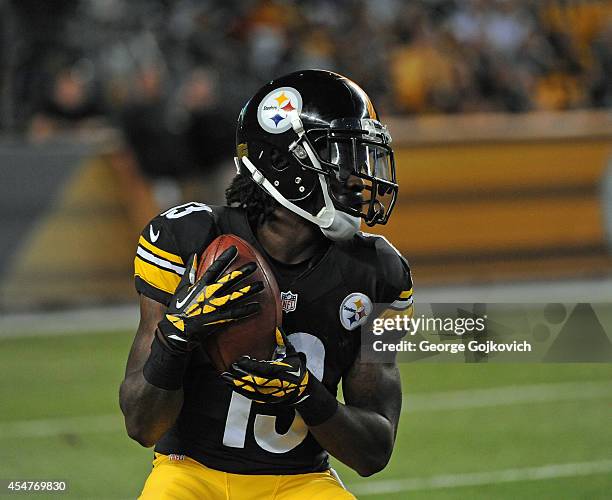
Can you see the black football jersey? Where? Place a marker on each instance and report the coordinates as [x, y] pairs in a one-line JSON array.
[[324, 304]]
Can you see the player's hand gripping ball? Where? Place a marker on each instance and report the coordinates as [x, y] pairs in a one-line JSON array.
[[203, 302], [282, 380], [255, 335]]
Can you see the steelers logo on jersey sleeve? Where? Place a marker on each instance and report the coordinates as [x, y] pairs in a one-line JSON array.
[[354, 310]]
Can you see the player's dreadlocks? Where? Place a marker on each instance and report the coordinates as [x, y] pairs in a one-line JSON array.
[[244, 193]]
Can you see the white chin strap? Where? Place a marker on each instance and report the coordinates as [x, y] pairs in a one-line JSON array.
[[334, 224], [343, 227]]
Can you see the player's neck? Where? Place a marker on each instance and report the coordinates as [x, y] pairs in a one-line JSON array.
[[290, 239]]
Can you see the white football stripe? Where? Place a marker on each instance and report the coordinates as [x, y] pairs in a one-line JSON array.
[[141, 252], [505, 396], [435, 401], [401, 303], [87, 321], [550, 471], [62, 425]]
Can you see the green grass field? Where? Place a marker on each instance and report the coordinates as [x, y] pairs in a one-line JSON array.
[[469, 431]]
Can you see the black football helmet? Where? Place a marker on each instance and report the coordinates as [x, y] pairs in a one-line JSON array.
[[313, 141]]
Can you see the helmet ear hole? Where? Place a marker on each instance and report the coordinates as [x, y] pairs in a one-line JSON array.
[[278, 160]]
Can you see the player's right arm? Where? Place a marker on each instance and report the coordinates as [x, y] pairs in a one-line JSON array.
[[148, 410], [177, 311]]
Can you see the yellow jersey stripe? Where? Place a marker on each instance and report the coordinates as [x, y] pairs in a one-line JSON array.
[[158, 261], [393, 313], [158, 251], [166, 281], [405, 294]]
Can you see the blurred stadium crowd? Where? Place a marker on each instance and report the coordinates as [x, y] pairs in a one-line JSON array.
[[170, 72]]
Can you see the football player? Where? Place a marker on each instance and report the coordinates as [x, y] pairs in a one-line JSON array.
[[313, 163]]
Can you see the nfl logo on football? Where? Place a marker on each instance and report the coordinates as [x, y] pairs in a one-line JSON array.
[[289, 301]]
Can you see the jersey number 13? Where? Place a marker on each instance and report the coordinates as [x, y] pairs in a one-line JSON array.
[[264, 426]]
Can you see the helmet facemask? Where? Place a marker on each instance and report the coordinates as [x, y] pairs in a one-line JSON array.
[[356, 158]]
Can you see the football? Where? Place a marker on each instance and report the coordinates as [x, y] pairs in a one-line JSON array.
[[253, 336]]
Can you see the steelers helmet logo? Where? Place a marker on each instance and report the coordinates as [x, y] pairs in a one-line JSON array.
[[273, 112], [354, 310]]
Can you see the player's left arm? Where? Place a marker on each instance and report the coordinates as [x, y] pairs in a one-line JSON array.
[[361, 433]]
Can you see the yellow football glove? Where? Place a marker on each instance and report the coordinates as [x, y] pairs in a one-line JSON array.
[[198, 308], [283, 380]]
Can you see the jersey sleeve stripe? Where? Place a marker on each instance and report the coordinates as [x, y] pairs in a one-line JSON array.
[[159, 252], [391, 312], [400, 305], [161, 279], [406, 294], [154, 259]]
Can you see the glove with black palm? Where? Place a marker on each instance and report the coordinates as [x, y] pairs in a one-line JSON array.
[[284, 380], [198, 308]]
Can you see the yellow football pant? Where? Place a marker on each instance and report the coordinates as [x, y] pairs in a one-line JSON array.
[[187, 479]]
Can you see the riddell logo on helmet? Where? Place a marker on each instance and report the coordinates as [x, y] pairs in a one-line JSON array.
[[274, 109]]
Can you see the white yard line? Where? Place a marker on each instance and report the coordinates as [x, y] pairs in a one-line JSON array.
[[60, 425], [550, 471], [506, 396], [570, 291], [69, 322], [416, 403], [125, 317]]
